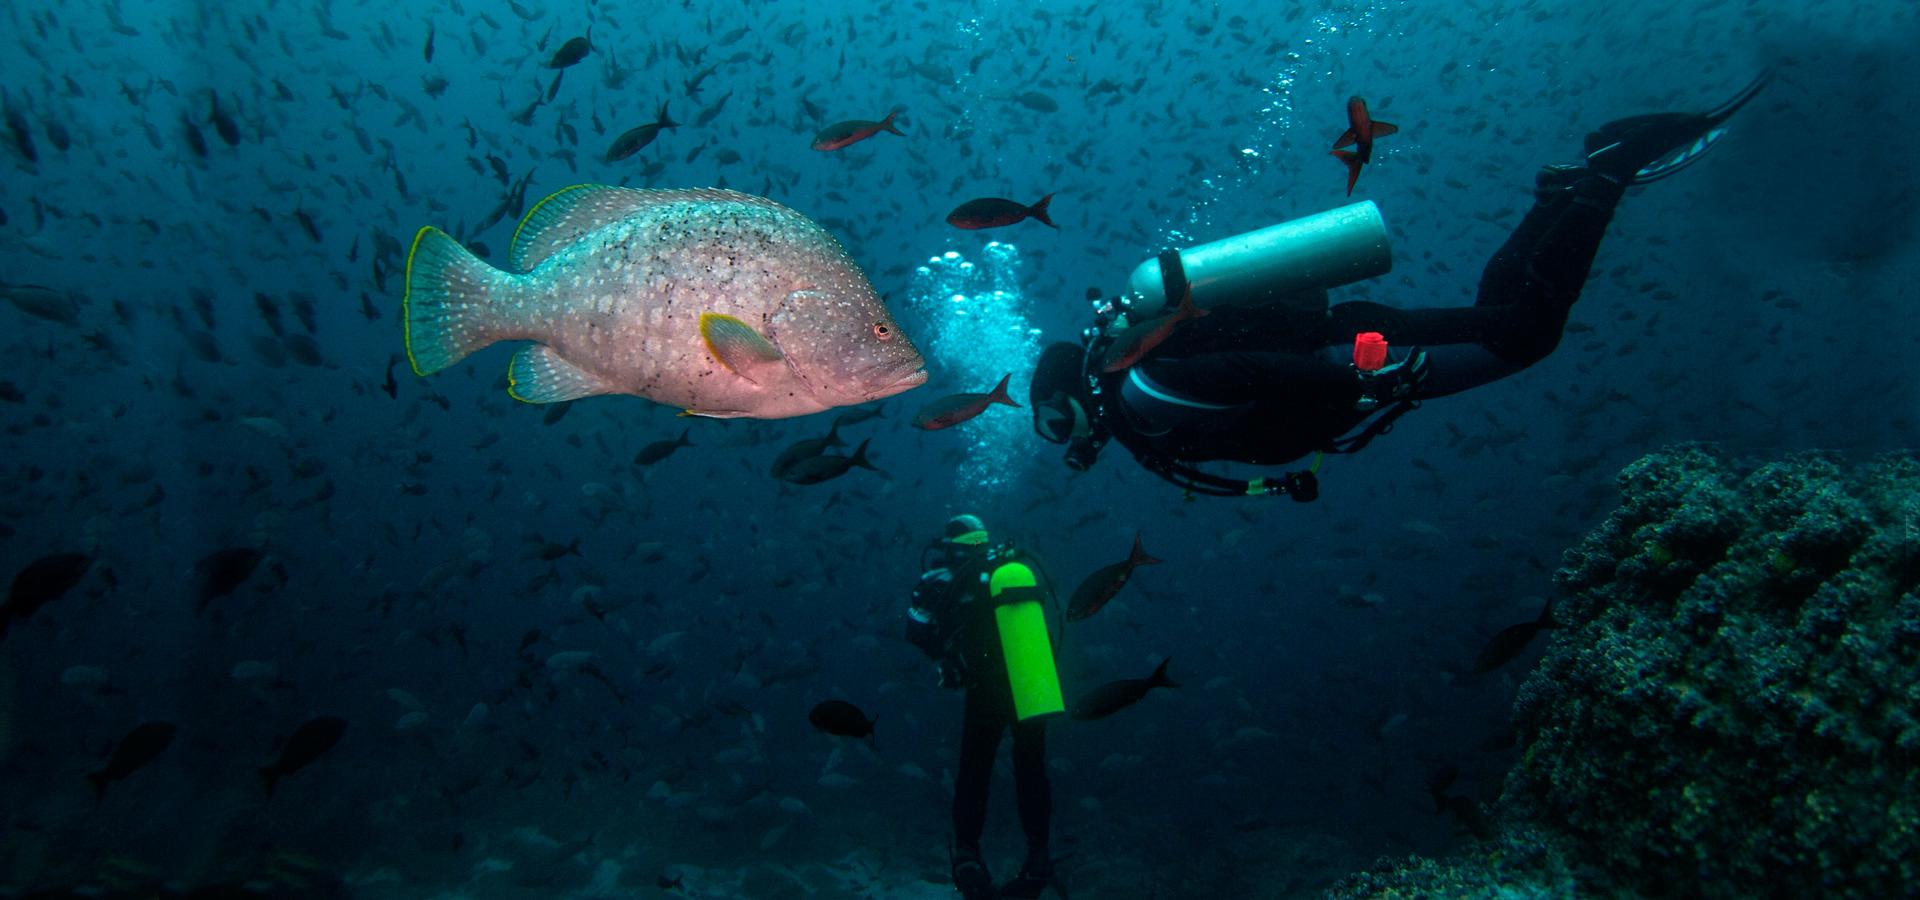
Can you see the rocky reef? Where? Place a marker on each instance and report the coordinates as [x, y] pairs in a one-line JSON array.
[[1732, 708]]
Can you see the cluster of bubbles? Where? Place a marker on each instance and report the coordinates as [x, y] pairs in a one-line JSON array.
[[979, 330]]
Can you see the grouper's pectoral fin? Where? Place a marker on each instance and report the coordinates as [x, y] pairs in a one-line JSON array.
[[538, 375], [738, 347]]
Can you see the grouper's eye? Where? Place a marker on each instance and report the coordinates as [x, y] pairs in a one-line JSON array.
[[883, 331]]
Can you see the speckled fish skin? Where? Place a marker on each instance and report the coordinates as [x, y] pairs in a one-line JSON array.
[[620, 279]]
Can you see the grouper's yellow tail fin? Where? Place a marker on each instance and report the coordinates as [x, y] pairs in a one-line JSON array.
[[451, 306]]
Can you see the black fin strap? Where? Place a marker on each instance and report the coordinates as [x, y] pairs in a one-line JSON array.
[[1301, 486], [1380, 425], [1173, 278]]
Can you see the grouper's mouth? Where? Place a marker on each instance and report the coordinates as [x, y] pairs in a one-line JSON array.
[[906, 382], [888, 388]]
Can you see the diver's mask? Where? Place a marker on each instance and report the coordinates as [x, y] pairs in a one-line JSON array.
[[1060, 419], [965, 540]]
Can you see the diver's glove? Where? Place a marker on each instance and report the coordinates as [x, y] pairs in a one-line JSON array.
[[1393, 382], [953, 673]]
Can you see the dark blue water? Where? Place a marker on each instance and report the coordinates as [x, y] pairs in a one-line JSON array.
[[156, 412]]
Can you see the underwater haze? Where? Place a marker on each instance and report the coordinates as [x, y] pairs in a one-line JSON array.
[[288, 619]]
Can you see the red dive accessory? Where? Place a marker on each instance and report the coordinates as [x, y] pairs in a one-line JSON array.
[[1369, 351]]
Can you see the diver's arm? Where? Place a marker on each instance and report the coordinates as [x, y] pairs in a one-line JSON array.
[[1457, 339], [1231, 378], [930, 617]]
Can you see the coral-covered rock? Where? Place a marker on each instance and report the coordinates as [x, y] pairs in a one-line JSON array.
[[1733, 706]]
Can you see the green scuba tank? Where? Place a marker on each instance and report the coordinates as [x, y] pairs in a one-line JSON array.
[[1294, 262], [1022, 621]]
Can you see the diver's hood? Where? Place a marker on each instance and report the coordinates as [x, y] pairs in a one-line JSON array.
[[1060, 418], [1059, 412]]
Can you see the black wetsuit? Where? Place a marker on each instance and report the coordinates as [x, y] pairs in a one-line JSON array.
[[952, 621], [1269, 385]]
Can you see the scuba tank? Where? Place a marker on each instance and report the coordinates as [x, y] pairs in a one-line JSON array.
[[1293, 261], [1020, 616]]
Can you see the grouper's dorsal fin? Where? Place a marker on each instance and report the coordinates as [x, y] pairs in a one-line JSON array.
[[565, 215], [571, 212]]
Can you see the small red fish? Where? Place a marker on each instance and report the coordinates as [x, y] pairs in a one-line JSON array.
[[993, 212], [1361, 130], [1133, 344], [852, 131], [953, 409], [1101, 586]]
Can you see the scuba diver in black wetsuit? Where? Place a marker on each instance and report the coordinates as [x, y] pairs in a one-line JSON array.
[[979, 610], [1264, 377]]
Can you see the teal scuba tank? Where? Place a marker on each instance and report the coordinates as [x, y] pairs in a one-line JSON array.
[[1294, 262]]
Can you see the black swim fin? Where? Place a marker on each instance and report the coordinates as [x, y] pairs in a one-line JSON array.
[[1645, 149]]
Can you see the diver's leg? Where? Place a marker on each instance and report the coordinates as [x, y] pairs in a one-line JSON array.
[[1544, 264], [1526, 291], [1030, 782], [1539, 272], [979, 742], [1036, 809]]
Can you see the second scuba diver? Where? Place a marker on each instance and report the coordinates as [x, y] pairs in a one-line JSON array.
[[1270, 373], [979, 610]]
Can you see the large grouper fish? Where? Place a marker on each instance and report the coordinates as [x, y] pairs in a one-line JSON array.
[[721, 303]]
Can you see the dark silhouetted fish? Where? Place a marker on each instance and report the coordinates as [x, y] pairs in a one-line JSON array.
[[42, 581], [634, 139], [707, 115], [1463, 808], [1115, 696], [223, 124], [22, 134], [993, 212], [138, 748], [572, 52], [857, 415], [807, 449], [43, 303], [1511, 640], [826, 467], [303, 349], [221, 571], [196, 141], [1037, 102], [953, 409], [308, 743], [838, 717], [659, 450], [1102, 585], [307, 225]]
